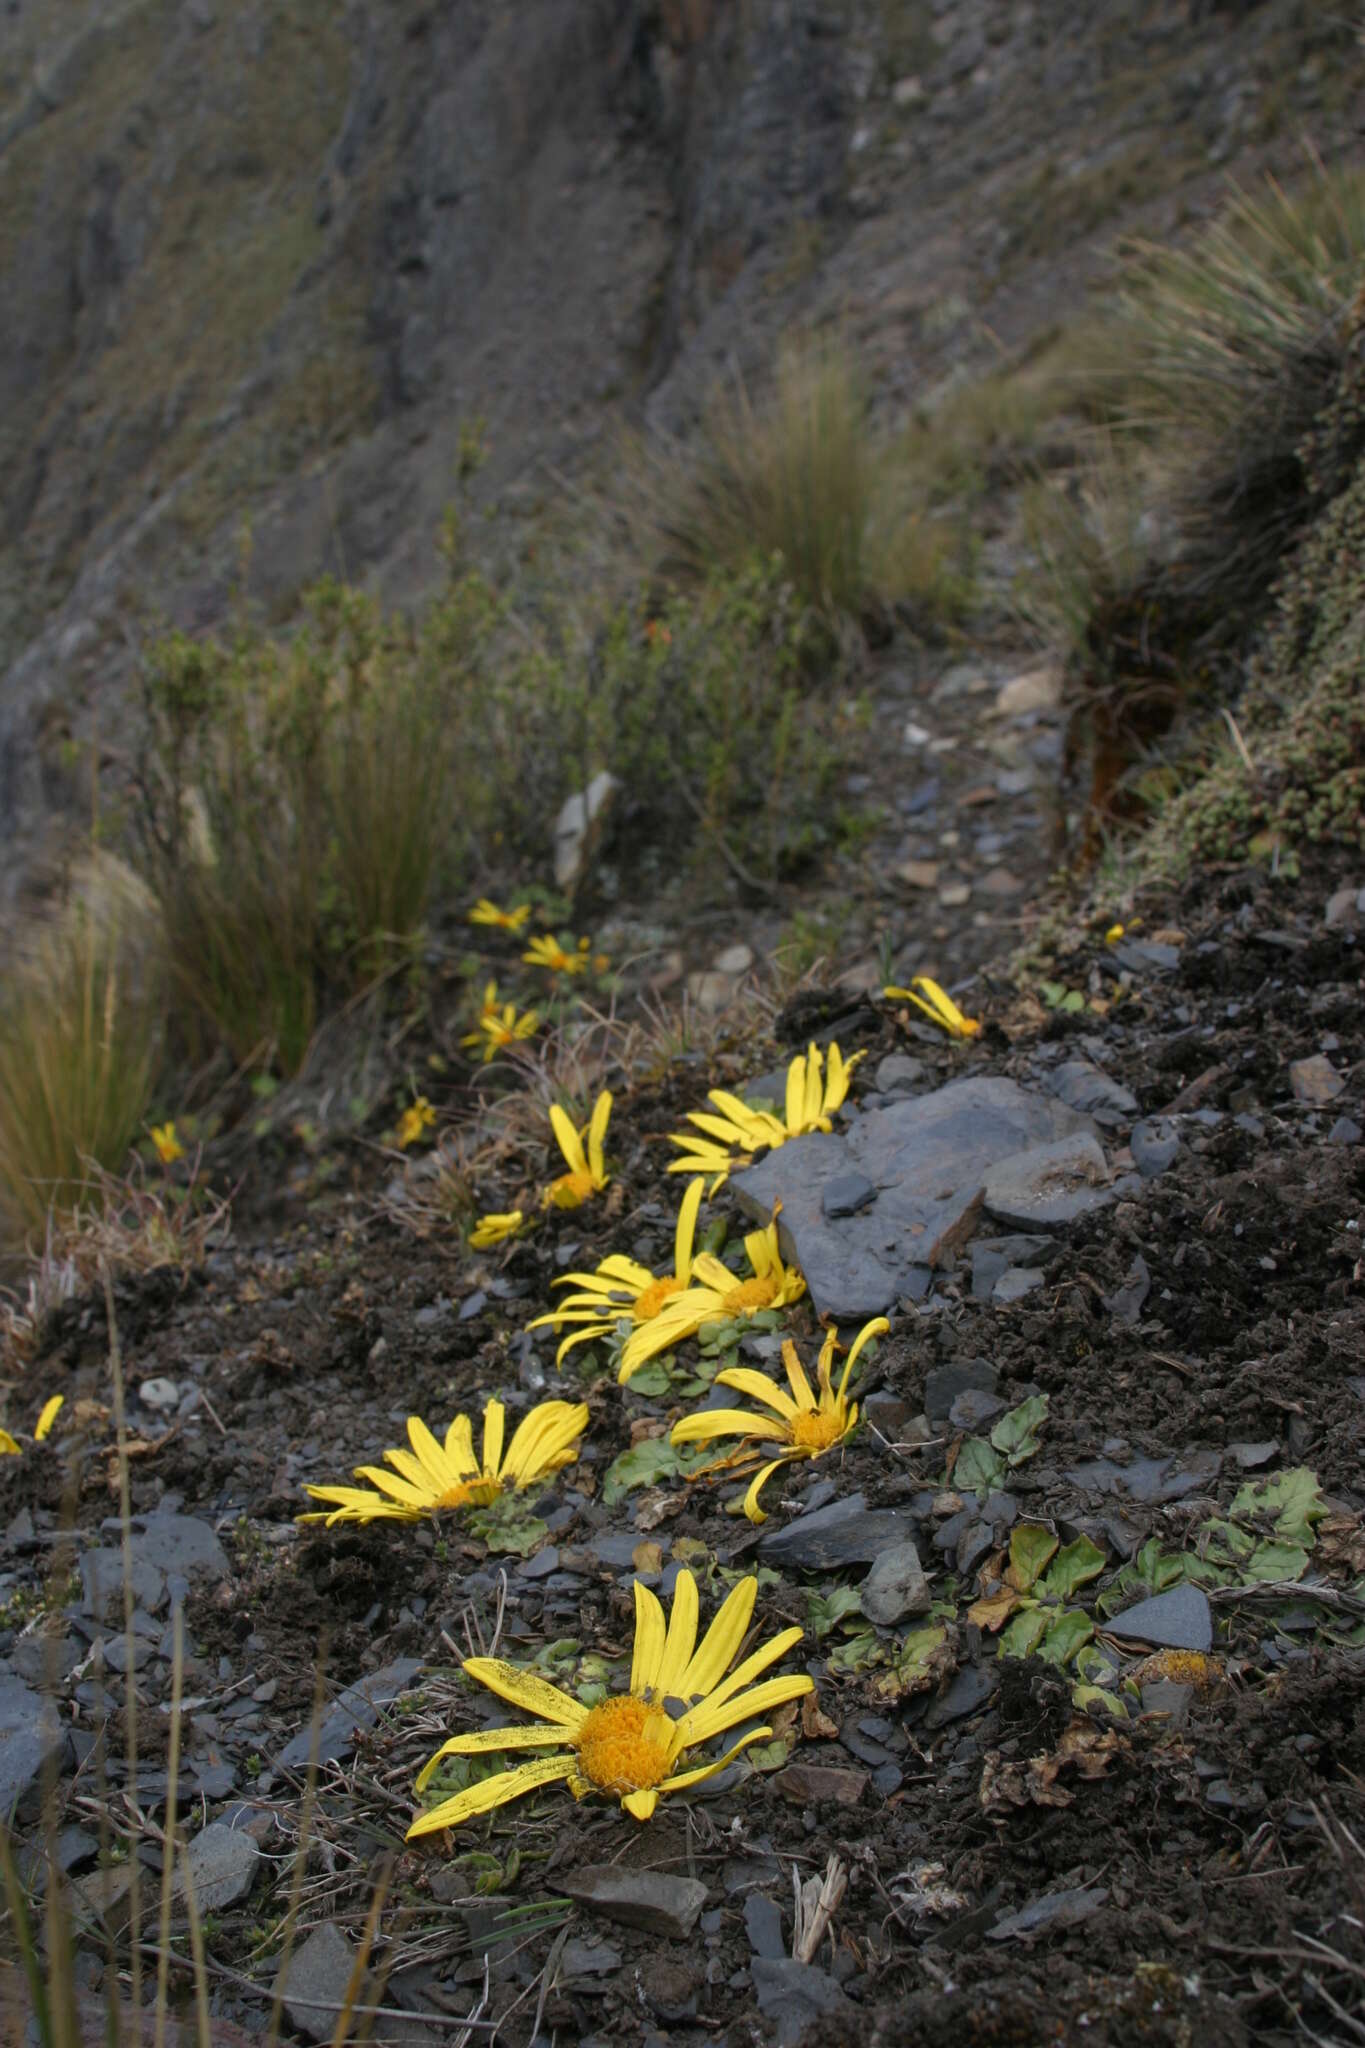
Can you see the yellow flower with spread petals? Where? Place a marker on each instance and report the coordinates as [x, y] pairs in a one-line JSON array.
[[805, 1423], [433, 1478], [499, 1025], [547, 952], [628, 1747], [485, 912], [719, 1298], [937, 1005], [622, 1290], [52, 1408], [495, 1228], [587, 1174], [418, 1117], [168, 1146], [730, 1140]]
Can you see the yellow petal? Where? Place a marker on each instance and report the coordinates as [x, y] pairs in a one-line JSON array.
[[429, 1454], [878, 1327], [51, 1409], [815, 1094], [649, 1641], [711, 1422], [597, 1131], [568, 1140], [756, 1486], [686, 1232], [584, 1336], [715, 1715], [719, 1644], [641, 1805], [695, 1776], [681, 1640], [487, 1741], [526, 1689], [413, 1493], [491, 1792], [494, 1423], [802, 1392], [758, 1387], [743, 1674], [10, 1449], [796, 1093], [549, 1430]]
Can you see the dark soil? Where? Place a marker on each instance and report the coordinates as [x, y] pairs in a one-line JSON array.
[[1214, 1838]]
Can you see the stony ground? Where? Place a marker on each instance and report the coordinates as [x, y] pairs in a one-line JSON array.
[[1145, 1826]]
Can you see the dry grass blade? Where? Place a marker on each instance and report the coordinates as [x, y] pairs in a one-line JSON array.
[[130, 1701], [816, 1903]]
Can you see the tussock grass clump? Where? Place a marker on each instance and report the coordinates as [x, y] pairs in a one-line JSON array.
[[80, 1046]]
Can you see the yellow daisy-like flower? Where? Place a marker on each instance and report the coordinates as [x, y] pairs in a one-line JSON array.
[[587, 1174], [937, 1005], [499, 1025], [628, 1746], [435, 1479], [485, 912], [168, 1146], [547, 952], [730, 1140], [10, 1447], [719, 1298], [495, 1227], [418, 1117], [805, 1423], [621, 1289]]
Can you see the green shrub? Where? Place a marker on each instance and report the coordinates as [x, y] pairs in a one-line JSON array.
[[79, 1052]]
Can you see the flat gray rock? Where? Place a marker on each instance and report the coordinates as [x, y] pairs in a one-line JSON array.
[[1057, 1909], [32, 1743], [846, 1532], [223, 1862], [1051, 1185], [654, 1900], [1179, 1620], [794, 1995], [927, 1157], [354, 1710], [1152, 1481], [314, 1981], [1084, 1086], [896, 1586], [1155, 1145], [1014, 1283]]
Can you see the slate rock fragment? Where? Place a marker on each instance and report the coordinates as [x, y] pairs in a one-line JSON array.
[[896, 1586], [33, 1743], [795, 1995], [1050, 1185], [1178, 1620], [654, 1900], [845, 1532], [356, 1709]]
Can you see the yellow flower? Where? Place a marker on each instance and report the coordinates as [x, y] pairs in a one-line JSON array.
[[499, 1025], [937, 1005], [622, 1289], [168, 1146], [495, 1227], [587, 1174], [438, 1479], [52, 1408], [547, 952], [720, 1298], [485, 912], [629, 1744], [1114, 934], [730, 1140], [419, 1116], [805, 1423]]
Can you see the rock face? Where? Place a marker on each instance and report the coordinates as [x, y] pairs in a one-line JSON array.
[[931, 1160]]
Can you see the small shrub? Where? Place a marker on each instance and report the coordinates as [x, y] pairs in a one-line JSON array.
[[79, 1051]]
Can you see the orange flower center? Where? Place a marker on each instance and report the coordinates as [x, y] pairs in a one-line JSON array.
[[623, 1745], [815, 1429], [571, 1190], [749, 1295], [470, 1493], [653, 1297]]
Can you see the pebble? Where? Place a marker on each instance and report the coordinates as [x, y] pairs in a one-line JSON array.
[[810, 1784], [1051, 1185], [899, 1072], [354, 1710], [1087, 1087], [918, 874], [1015, 1283], [896, 1586], [763, 1924], [1037, 689], [954, 894], [970, 1689], [845, 1532], [1057, 1909], [159, 1394], [1345, 1131], [1179, 1620], [33, 1743], [794, 1996], [944, 1383], [314, 1979], [653, 1900], [737, 959], [1155, 1145], [1315, 1079]]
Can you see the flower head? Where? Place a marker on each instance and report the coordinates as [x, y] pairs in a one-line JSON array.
[[52, 1407], [419, 1116], [495, 1227], [621, 1289], [587, 1174], [499, 1025], [805, 1423], [435, 1479], [630, 1743], [547, 952], [730, 1140], [485, 912], [937, 1005], [168, 1145], [721, 1297]]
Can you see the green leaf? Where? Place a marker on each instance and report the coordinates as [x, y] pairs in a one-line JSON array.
[[1094, 1698], [641, 1465], [916, 1654], [1293, 1498], [1023, 1635], [825, 1610], [1080, 1562], [1016, 1435], [651, 1380], [1066, 1636], [857, 1653], [768, 1756], [1095, 1666], [978, 1467], [507, 1532], [1271, 1562], [1031, 1546]]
